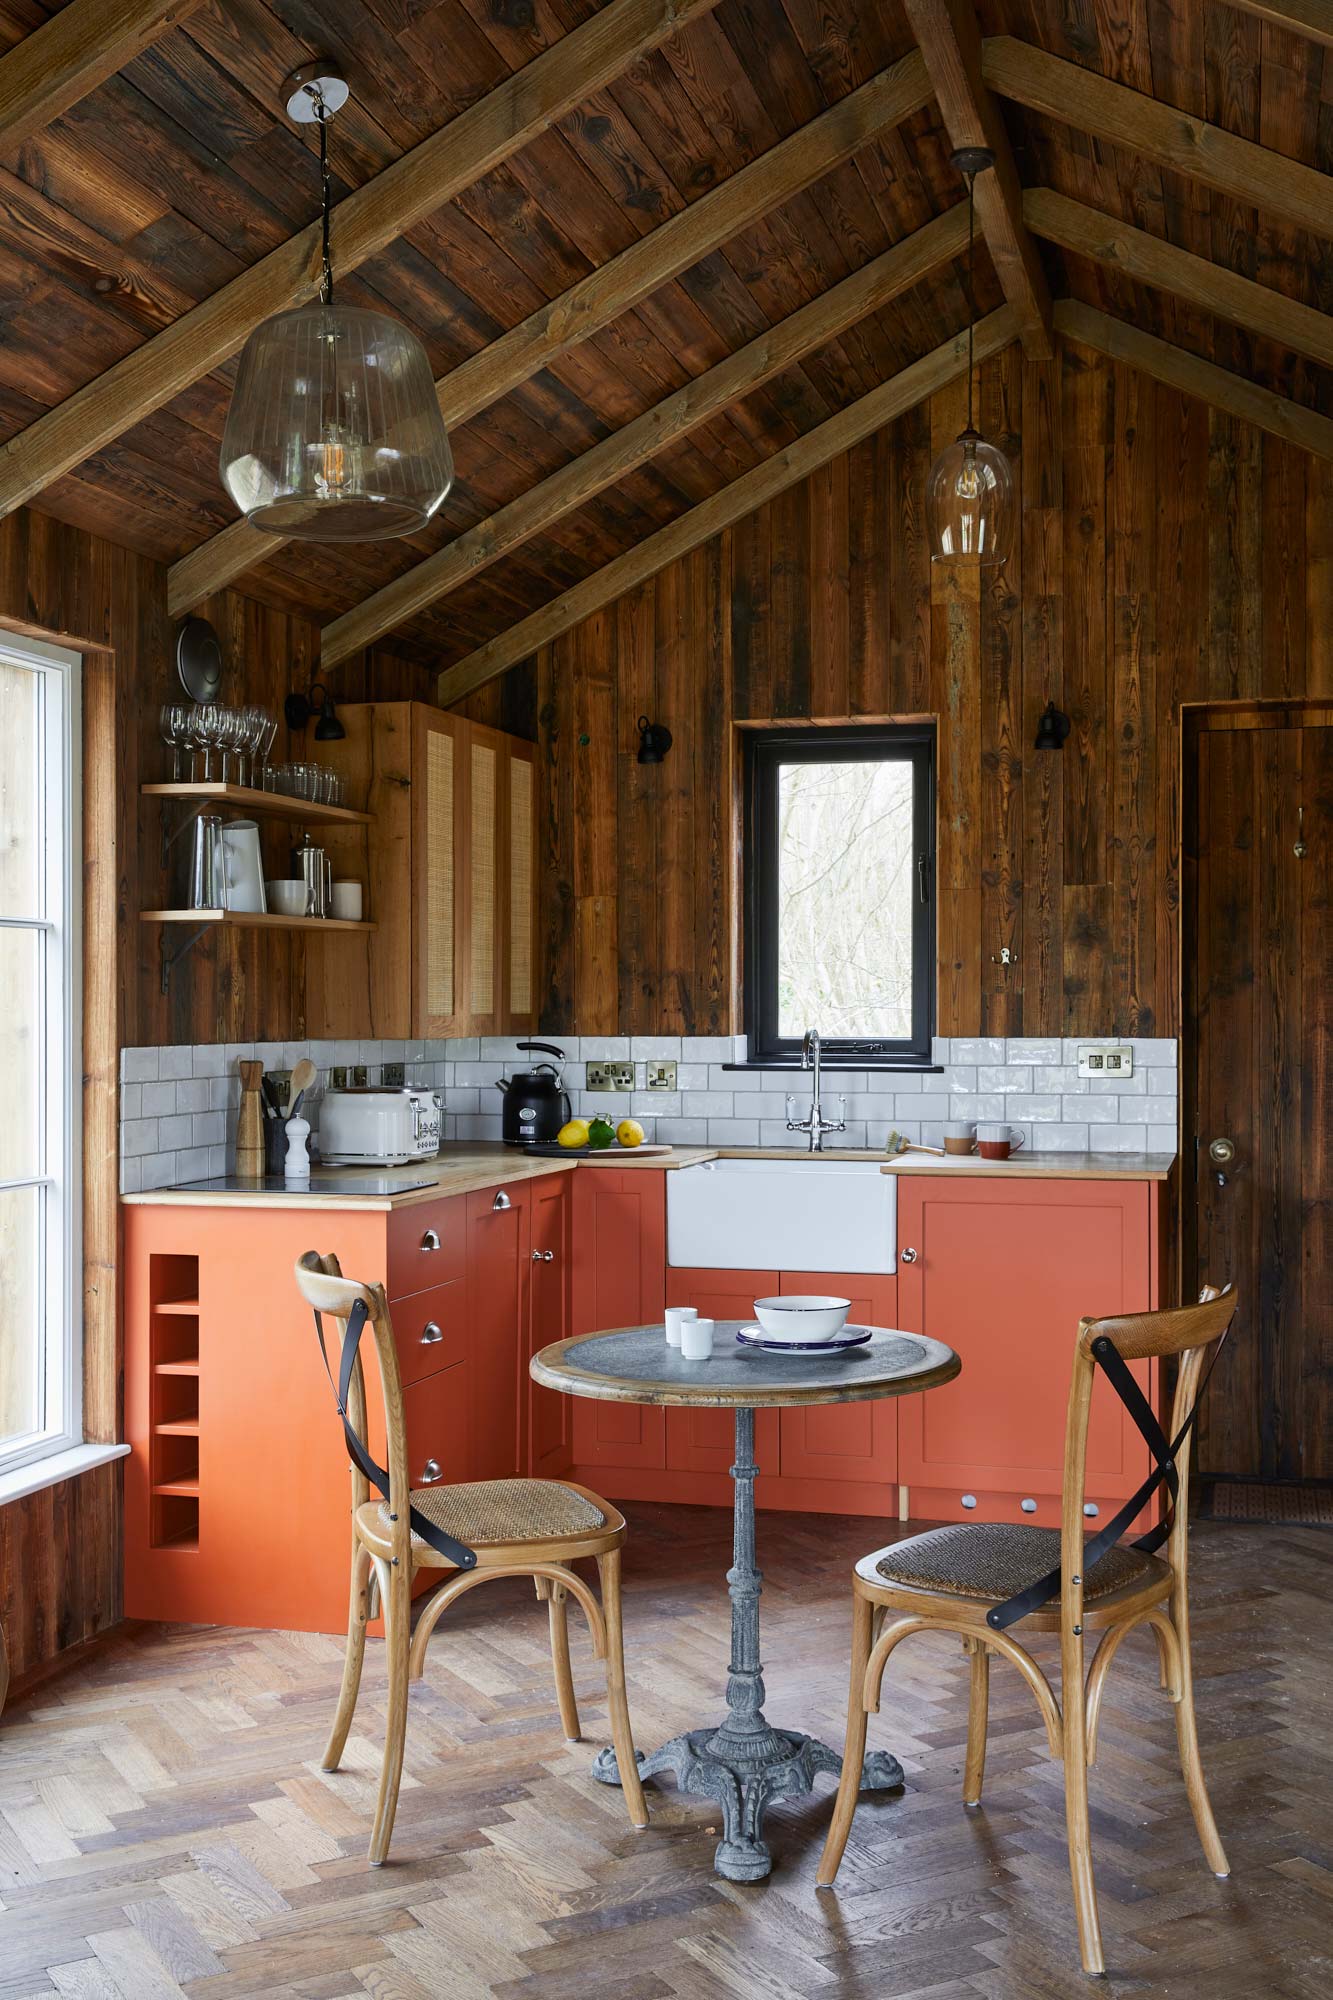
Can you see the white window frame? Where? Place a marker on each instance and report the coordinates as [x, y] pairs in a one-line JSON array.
[[58, 1280]]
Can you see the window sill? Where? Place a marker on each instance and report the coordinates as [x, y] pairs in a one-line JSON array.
[[40, 1473], [853, 1065]]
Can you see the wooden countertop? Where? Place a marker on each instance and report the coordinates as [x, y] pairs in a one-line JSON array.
[[463, 1168]]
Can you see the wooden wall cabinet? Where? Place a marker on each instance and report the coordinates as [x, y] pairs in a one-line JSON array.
[[448, 861]]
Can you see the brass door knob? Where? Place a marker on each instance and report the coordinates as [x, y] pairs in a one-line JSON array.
[[1222, 1152]]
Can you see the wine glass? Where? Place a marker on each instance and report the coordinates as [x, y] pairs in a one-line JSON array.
[[174, 723]]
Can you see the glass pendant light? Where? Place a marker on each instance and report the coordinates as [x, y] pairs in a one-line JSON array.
[[970, 509], [334, 432]]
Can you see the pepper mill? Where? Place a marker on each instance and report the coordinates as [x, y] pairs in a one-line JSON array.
[[250, 1123]]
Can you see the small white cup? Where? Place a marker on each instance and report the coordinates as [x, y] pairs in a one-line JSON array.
[[674, 1316], [696, 1339], [286, 898], [347, 901]]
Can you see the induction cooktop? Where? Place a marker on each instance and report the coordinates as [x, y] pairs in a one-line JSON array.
[[352, 1185]]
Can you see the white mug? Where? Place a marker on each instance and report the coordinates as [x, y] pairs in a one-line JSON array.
[[696, 1339], [347, 901], [674, 1317]]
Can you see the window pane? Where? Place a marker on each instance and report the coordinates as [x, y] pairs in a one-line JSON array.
[[20, 1053], [20, 811], [845, 899], [22, 1355]]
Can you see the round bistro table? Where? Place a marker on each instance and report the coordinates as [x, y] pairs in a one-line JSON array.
[[744, 1762]]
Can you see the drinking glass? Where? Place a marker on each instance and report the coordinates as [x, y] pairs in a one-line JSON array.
[[201, 738], [174, 722]]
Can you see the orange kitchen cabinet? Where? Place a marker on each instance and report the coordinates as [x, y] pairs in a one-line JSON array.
[[548, 1416], [497, 1232], [619, 1261], [844, 1442], [1002, 1271]]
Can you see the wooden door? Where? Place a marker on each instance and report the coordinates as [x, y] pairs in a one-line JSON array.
[[439, 840], [844, 1441], [497, 1295], [1258, 1071], [619, 1266], [1003, 1272], [705, 1440], [549, 1415]]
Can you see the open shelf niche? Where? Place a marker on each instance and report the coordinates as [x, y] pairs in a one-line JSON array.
[[174, 1407]]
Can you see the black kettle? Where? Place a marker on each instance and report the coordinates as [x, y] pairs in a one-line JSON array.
[[536, 1104]]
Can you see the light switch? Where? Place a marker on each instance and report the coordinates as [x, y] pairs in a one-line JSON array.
[[659, 1075], [1114, 1060]]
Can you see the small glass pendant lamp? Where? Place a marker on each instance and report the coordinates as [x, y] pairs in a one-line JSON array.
[[970, 506], [334, 432]]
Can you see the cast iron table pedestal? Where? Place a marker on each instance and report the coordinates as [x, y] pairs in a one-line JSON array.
[[745, 1761]]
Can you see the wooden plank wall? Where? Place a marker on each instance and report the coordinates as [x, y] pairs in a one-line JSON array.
[[1168, 554]]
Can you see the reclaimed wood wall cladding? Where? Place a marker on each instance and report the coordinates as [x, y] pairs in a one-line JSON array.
[[1168, 554]]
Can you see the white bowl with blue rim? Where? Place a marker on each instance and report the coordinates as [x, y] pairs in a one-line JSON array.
[[803, 1318]]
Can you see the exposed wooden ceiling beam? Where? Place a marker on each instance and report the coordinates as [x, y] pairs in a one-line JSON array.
[[1254, 175], [822, 320], [1147, 258], [950, 40], [614, 288], [1313, 18], [471, 145], [1194, 377], [72, 53], [786, 468]]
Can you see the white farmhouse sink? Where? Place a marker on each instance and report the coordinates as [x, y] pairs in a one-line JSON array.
[[822, 1214]]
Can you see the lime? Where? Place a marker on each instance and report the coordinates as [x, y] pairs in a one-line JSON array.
[[601, 1133]]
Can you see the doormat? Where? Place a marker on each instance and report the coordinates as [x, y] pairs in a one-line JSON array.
[[1296, 1504]]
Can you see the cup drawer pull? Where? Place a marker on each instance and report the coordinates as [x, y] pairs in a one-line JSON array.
[[431, 1240], [431, 1332], [431, 1472]]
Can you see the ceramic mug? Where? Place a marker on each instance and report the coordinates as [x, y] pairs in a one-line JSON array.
[[997, 1142], [696, 1339], [673, 1319], [347, 901], [960, 1136]]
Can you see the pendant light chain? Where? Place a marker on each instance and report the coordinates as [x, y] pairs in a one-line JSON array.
[[322, 120], [971, 293]]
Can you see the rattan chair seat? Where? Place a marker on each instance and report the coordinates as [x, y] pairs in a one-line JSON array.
[[495, 1511], [992, 1560]]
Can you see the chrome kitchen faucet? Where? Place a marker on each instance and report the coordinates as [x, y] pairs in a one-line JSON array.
[[815, 1123]]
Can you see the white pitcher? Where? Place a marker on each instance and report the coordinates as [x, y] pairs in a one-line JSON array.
[[245, 868]]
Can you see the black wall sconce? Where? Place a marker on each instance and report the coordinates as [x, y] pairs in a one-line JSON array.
[[654, 741], [298, 709], [1053, 728]]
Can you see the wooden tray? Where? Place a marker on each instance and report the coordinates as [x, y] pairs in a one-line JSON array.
[[550, 1149]]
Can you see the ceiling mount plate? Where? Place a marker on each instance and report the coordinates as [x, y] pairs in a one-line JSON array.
[[316, 80], [972, 159]]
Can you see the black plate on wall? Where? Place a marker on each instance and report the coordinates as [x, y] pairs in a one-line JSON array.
[[199, 660]]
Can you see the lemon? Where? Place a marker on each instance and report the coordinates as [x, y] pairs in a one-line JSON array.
[[629, 1132], [575, 1133]]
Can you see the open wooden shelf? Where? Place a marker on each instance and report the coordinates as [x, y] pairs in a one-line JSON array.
[[252, 920], [188, 1307], [278, 805], [179, 1427], [181, 1489], [176, 1367]]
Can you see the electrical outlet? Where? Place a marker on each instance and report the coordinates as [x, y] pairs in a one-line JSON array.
[[360, 1076], [659, 1075], [1116, 1061], [338, 1077], [610, 1076], [392, 1076]]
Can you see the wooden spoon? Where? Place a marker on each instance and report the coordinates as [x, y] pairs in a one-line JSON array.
[[302, 1077]]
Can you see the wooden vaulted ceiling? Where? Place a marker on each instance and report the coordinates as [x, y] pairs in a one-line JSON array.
[[160, 170]]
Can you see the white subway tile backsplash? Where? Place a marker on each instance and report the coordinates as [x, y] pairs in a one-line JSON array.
[[178, 1105]]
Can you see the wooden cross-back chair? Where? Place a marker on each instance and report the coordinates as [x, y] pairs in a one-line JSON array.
[[475, 1531], [981, 1579]]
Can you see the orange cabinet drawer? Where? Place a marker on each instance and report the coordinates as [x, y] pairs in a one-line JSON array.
[[426, 1246], [430, 1329], [437, 1428]]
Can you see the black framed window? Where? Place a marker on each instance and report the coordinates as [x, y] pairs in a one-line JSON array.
[[840, 891]]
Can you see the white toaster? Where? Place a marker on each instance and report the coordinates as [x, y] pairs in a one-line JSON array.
[[379, 1127]]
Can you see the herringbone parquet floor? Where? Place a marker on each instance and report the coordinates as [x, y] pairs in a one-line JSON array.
[[165, 1827]]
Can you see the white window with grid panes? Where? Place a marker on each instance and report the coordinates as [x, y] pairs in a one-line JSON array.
[[40, 1052]]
